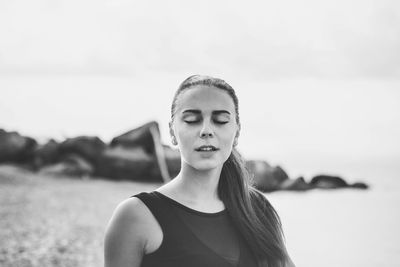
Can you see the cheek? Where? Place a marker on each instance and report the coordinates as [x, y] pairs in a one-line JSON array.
[[229, 136], [185, 138]]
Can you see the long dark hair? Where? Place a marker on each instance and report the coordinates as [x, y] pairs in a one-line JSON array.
[[250, 211]]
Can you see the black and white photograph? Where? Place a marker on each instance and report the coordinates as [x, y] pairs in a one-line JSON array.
[[199, 134]]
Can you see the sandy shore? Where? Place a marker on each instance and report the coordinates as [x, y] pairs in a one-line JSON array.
[[48, 221]]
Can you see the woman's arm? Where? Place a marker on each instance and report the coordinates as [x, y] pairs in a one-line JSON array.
[[125, 238]]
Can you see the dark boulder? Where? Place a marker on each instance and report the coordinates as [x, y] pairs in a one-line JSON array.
[[266, 177], [138, 137], [173, 159], [279, 174], [332, 182], [88, 147], [47, 153], [359, 185], [71, 165], [328, 182], [15, 147], [128, 164], [298, 184], [148, 138]]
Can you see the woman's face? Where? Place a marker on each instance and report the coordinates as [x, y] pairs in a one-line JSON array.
[[204, 116]]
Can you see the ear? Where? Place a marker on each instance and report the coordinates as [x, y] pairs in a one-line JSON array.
[[171, 132]]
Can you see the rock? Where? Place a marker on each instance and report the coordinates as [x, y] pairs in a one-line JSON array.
[[88, 147], [73, 165], [266, 177], [173, 159], [138, 137], [127, 163], [359, 185], [298, 184], [147, 137], [16, 148], [46, 154], [279, 174], [328, 182]]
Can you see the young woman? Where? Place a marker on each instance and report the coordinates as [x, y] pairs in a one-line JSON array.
[[209, 214]]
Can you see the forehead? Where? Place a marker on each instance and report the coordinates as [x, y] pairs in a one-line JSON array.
[[205, 98]]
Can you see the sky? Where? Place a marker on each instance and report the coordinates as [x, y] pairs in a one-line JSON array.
[[318, 81], [258, 39]]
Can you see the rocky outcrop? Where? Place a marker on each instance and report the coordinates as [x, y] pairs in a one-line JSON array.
[[88, 147], [72, 165], [359, 185], [138, 137], [269, 178], [129, 164], [46, 154], [333, 182], [137, 155], [148, 138], [15, 147], [298, 184], [266, 177]]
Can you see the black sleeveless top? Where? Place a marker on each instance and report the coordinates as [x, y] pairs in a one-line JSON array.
[[194, 239]]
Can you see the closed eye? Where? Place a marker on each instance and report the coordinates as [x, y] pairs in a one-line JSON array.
[[218, 122]]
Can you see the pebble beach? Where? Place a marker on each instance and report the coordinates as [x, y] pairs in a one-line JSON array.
[[60, 221]]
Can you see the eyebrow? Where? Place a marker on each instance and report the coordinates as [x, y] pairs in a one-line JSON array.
[[214, 112]]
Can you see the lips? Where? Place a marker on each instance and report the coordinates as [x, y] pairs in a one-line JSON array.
[[206, 148]]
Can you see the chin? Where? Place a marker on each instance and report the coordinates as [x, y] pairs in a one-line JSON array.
[[205, 165]]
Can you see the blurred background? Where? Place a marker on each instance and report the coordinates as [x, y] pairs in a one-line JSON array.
[[318, 84]]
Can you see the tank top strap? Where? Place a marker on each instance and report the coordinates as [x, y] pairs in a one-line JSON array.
[[169, 223], [157, 207]]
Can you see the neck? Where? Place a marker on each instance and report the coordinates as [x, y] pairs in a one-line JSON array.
[[198, 185]]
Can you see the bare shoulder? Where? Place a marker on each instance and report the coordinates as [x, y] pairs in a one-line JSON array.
[[126, 234], [130, 209]]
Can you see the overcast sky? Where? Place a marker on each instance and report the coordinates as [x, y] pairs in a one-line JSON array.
[[259, 39]]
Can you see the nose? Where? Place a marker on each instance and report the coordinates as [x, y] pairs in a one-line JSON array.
[[206, 130]]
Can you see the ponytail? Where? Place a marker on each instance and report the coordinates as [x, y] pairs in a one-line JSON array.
[[252, 214]]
